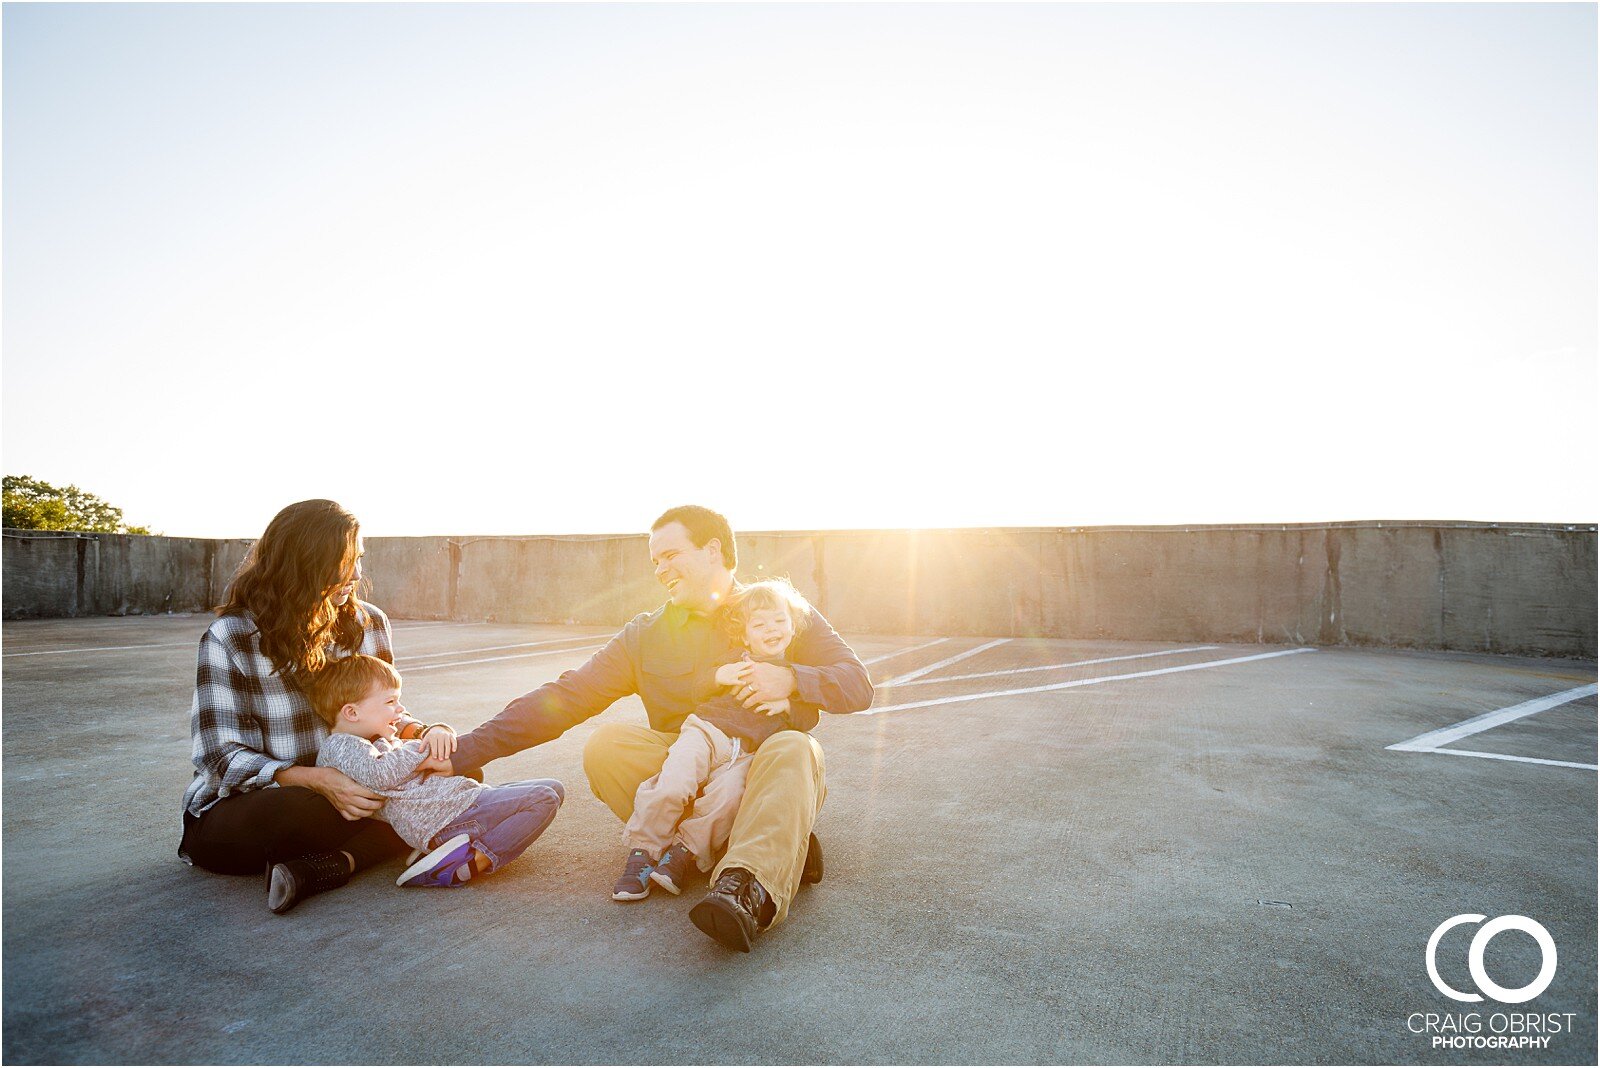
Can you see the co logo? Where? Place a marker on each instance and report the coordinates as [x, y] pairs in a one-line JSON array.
[[1480, 942]]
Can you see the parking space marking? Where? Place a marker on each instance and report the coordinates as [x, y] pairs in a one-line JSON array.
[[1434, 741], [494, 648], [106, 648], [909, 649], [1085, 682], [946, 662], [1048, 667], [181, 645], [513, 656], [195, 642], [1507, 756], [440, 623]]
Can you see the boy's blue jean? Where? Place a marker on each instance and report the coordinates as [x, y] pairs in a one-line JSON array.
[[506, 819]]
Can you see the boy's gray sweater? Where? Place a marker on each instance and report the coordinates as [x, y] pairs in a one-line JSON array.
[[416, 806]]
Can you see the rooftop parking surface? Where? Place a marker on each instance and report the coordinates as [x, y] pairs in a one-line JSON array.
[[1037, 851]]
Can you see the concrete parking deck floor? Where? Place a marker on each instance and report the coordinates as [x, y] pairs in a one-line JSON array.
[[1114, 852]]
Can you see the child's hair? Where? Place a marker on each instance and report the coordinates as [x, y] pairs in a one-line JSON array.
[[761, 596], [344, 682]]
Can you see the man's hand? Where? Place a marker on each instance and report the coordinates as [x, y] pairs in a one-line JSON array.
[[440, 741], [354, 801], [760, 682], [773, 708], [436, 765]]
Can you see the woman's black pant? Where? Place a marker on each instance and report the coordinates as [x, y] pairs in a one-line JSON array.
[[242, 834]]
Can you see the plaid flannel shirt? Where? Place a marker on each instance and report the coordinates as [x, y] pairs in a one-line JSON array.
[[248, 723]]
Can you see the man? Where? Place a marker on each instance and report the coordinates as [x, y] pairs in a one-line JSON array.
[[658, 656]]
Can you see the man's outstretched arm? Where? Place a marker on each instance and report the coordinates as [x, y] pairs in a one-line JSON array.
[[545, 714]]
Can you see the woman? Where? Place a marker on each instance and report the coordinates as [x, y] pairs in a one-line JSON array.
[[256, 801]]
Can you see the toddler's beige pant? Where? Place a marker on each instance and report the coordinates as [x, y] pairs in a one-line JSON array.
[[784, 789], [703, 755]]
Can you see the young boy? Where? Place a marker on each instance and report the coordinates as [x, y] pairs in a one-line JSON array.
[[713, 751], [458, 828]]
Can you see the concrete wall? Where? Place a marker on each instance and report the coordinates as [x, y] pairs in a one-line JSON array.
[[52, 574], [1503, 588]]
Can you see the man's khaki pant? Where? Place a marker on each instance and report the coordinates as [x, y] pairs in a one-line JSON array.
[[784, 791]]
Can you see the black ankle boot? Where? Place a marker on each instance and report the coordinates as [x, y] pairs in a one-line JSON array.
[[292, 881], [737, 909], [811, 870]]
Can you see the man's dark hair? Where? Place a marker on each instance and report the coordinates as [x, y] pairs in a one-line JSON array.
[[702, 524]]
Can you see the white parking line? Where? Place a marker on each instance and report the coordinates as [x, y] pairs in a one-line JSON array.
[[1048, 667], [1506, 756], [408, 628], [108, 648], [1083, 682], [908, 649], [946, 662], [196, 642], [513, 656], [496, 648], [1434, 741]]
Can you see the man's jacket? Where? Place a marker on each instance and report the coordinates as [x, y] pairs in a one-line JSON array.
[[659, 656]]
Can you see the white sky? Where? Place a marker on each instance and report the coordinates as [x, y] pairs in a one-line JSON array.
[[552, 269]]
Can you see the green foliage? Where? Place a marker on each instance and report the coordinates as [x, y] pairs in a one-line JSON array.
[[34, 505]]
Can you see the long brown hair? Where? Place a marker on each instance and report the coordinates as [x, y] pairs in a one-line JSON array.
[[287, 582]]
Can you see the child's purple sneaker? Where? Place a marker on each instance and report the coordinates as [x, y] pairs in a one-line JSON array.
[[448, 865]]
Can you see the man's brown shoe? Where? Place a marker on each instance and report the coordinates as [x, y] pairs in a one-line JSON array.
[[735, 911], [811, 871]]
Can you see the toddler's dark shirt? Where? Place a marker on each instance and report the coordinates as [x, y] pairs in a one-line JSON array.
[[719, 707]]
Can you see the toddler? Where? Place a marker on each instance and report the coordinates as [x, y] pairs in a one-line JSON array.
[[711, 756], [458, 828]]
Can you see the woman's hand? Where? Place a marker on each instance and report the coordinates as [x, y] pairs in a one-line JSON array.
[[440, 741], [353, 801]]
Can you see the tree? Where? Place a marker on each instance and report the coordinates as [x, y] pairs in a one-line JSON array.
[[34, 505]]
